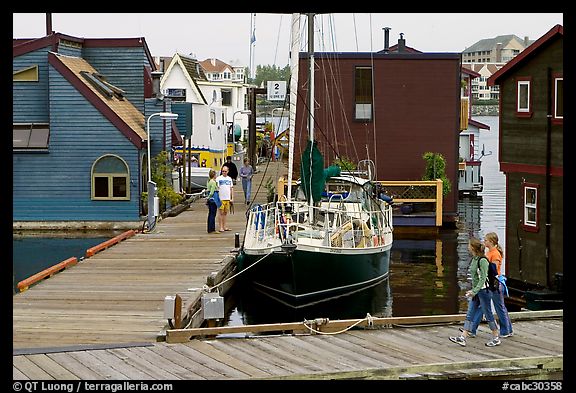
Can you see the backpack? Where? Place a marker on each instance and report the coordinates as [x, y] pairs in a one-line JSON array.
[[492, 279]]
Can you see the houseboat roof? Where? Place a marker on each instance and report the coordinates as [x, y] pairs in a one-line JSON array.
[[526, 54]]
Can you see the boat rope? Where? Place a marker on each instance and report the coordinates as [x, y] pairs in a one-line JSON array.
[[318, 322], [206, 288]]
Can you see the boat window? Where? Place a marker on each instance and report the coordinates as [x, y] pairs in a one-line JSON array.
[[110, 179], [30, 137]]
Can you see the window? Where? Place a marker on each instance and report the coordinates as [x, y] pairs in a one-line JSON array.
[[530, 215], [176, 94], [363, 93], [28, 74], [558, 99], [226, 97], [523, 98], [30, 137], [110, 179]]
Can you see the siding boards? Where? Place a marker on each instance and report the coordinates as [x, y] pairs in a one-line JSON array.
[[57, 185], [30, 99]]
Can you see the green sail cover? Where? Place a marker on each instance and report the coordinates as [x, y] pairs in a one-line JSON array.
[[316, 170]]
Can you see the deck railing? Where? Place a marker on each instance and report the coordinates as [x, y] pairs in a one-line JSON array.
[[422, 191]]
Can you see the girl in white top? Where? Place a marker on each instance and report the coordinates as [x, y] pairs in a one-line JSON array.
[[226, 194]]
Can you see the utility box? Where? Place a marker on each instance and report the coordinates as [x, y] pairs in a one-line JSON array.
[[169, 305], [213, 306]]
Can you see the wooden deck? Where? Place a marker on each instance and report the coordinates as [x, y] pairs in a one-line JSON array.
[[101, 319], [117, 295], [424, 352]]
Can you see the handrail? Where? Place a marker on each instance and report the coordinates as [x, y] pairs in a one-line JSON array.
[[116, 239], [48, 272]]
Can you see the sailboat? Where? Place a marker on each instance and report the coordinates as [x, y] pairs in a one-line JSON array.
[[331, 235]]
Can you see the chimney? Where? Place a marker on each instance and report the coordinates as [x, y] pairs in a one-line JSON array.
[[386, 39], [498, 52], [49, 23], [156, 75], [526, 41], [401, 44]]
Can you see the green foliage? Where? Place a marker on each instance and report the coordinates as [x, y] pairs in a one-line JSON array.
[[344, 163], [265, 73], [162, 176], [270, 190], [436, 169]]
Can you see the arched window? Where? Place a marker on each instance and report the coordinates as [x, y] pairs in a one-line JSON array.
[[110, 179]]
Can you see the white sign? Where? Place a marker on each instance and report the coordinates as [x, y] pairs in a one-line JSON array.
[[276, 90]]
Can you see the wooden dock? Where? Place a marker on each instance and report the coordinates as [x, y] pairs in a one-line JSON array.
[[422, 352], [102, 318], [117, 295]]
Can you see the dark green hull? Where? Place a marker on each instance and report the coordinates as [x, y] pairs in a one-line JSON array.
[[305, 277]]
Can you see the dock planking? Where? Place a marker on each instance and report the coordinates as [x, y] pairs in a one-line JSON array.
[[101, 319], [421, 352], [117, 295]]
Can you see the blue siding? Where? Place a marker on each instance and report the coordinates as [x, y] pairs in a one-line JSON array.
[[56, 185], [123, 67], [69, 49], [30, 99]]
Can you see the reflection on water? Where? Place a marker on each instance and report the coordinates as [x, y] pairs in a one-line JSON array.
[[428, 276]]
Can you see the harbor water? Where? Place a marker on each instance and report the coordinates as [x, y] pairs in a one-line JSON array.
[[428, 276]]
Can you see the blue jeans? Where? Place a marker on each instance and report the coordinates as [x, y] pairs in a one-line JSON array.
[[480, 302], [497, 298], [211, 215], [247, 187]]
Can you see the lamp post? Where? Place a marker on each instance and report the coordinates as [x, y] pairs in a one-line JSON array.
[[244, 112], [274, 131], [151, 184]]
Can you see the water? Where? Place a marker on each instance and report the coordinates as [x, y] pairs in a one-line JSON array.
[[32, 254], [428, 276]]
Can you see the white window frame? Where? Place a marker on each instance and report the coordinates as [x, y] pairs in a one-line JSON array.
[[528, 207], [518, 108]]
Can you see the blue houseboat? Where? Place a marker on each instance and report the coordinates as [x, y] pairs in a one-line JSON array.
[[80, 112]]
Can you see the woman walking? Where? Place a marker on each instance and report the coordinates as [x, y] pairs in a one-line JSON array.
[[246, 173], [212, 203], [479, 295]]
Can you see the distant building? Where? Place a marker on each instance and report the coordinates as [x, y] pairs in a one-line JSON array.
[[486, 57]]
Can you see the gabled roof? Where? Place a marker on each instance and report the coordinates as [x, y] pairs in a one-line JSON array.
[[191, 72], [21, 46], [526, 54], [469, 71], [215, 65], [490, 43], [122, 113]]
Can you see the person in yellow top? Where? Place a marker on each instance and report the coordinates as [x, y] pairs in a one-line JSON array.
[[495, 255]]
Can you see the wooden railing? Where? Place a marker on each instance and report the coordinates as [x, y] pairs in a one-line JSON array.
[[422, 191], [464, 110], [104, 245]]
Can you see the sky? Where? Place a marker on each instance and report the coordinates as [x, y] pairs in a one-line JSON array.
[[226, 36]]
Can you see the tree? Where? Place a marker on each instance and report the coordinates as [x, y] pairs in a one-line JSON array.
[[265, 73], [436, 169]]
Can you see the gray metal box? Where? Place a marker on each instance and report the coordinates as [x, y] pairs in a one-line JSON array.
[[213, 306]]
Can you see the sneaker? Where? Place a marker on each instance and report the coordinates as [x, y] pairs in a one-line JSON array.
[[507, 335], [494, 342], [470, 334], [459, 340]]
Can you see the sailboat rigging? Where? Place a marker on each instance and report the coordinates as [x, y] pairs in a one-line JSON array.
[[330, 235]]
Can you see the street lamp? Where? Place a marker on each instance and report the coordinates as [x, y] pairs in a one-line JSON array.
[[275, 131], [151, 184], [244, 112]]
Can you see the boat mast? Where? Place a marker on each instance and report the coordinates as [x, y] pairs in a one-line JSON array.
[[311, 96], [294, 58]]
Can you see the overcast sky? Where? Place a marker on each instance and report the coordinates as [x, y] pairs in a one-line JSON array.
[[227, 36]]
